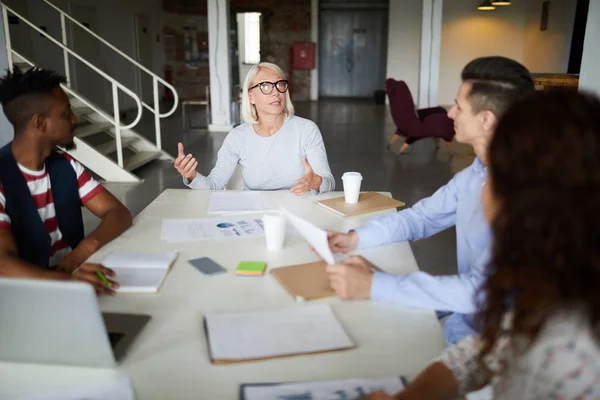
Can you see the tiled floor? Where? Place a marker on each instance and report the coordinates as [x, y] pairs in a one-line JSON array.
[[355, 133]]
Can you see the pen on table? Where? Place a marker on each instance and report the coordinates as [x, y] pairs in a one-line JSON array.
[[106, 281]]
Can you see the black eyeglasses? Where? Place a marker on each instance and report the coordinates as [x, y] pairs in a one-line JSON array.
[[267, 87]]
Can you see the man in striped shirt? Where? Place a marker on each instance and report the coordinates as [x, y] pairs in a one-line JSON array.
[[41, 115]]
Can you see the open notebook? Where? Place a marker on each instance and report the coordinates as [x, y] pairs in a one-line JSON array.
[[253, 336], [139, 272]]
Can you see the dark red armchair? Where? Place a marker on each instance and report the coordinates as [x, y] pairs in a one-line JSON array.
[[414, 125]]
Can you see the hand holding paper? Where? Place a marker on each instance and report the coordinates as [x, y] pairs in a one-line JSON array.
[[315, 236]]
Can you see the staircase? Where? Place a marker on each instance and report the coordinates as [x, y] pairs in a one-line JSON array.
[[110, 149]]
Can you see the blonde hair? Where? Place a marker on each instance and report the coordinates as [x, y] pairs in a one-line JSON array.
[[249, 114]]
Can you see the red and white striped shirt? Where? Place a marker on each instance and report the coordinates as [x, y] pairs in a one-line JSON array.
[[39, 186]]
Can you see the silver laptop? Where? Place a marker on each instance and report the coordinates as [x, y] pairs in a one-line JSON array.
[[51, 322]]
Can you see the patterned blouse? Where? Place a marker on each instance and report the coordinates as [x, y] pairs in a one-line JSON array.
[[563, 363]]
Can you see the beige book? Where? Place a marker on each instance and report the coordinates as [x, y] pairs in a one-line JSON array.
[[367, 203]]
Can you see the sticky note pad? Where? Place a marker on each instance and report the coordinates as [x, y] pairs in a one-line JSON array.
[[251, 268]]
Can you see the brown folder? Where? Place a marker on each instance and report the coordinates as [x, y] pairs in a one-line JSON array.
[[367, 203], [306, 281]]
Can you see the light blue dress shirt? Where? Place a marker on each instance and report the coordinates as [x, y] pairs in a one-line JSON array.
[[458, 203]]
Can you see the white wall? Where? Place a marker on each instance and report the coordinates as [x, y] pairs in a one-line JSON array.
[[115, 24], [6, 129], [549, 50], [404, 43], [468, 33], [590, 79], [243, 67]]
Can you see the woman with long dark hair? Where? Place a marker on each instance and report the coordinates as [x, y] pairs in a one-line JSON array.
[[540, 311]]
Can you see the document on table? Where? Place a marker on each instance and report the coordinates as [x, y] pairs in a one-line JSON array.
[[245, 336], [139, 272], [191, 230], [224, 202], [314, 235], [184, 230], [114, 390], [324, 390]]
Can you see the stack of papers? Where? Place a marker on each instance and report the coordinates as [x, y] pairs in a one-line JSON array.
[[250, 268], [191, 230], [247, 336], [137, 272], [338, 389], [230, 202], [119, 389]]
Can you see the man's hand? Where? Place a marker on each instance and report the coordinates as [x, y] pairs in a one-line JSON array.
[[342, 242], [185, 165], [351, 279], [87, 273], [308, 182]]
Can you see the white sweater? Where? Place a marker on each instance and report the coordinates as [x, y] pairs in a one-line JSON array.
[[269, 163]]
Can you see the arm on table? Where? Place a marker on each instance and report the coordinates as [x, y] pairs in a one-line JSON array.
[[115, 217], [455, 293], [11, 266], [427, 217], [455, 373]]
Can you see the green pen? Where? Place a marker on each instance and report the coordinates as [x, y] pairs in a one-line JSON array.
[[106, 281]]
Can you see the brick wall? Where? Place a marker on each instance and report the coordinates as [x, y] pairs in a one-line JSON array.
[[190, 81], [284, 22]]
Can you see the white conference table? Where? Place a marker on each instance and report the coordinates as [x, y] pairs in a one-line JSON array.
[[169, 359]]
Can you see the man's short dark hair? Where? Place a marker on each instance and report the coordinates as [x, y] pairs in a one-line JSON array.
[[23, 94], [497, 82]]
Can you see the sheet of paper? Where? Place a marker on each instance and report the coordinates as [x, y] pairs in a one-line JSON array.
[[224, 202], [139, 280], [123, 259], [314, 235], [298, 330], [235, 227], [223, 228], [139, 272], [184, 230], [326, 390], [114, 390]]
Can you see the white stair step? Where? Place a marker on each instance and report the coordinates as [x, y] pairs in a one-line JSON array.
[[139, 159], [84, 110], [111, 145], [92, 129]]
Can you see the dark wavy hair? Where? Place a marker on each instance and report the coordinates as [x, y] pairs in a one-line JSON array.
[[23, 94], [544, 170]]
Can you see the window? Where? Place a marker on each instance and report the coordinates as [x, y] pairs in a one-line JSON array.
[[252, 38]]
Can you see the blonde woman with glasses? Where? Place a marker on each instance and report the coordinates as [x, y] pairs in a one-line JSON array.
[[274, 148]]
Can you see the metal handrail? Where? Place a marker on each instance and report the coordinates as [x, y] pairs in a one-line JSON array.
[[115, 84], [128, 58]]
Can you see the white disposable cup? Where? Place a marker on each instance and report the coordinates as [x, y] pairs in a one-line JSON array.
[[274, 225], [352, 181]]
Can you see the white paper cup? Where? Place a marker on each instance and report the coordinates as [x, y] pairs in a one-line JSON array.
[[352, 181], [274, 224]]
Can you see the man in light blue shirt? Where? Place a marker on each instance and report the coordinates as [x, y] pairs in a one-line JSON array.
[[489, 86]]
